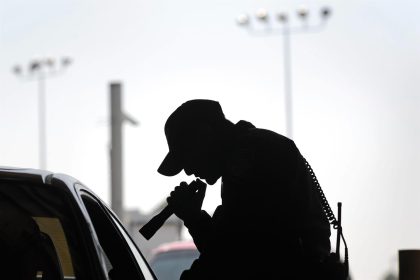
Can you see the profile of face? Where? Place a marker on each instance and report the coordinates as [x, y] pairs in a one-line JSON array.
[[202, 157]]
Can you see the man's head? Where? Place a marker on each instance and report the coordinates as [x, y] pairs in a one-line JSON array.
[[194, 141]]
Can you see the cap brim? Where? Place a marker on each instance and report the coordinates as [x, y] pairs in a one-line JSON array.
[[170, 166]]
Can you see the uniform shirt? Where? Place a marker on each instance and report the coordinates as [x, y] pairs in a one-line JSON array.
[[270, 218]]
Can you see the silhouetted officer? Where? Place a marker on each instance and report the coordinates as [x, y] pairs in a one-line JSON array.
[[270, 224]]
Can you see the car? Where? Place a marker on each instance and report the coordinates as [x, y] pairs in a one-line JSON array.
[[54, 227], [170, 259]]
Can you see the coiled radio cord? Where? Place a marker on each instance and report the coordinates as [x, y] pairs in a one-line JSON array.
[[329, 213]]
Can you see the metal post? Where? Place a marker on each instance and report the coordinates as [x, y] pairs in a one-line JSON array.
[[287, 81], [42, 124], [286, 30], [116, 150], [40, 70], [409, 264]]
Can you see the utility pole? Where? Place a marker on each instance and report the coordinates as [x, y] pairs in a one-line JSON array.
[[282, 26], [116, 152], [40, 70], [408, 264]]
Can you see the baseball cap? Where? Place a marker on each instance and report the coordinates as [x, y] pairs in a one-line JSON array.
[[181, 124]]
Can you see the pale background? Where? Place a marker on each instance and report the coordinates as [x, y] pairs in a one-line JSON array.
[[355, 90]]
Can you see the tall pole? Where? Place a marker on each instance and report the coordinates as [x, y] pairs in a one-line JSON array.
[[42, 122], [116, 153], [287, 82], [408, 264], [41, 69], [285, 29], [116, 150]]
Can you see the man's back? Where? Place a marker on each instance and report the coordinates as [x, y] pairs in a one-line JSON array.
[[268, 205]]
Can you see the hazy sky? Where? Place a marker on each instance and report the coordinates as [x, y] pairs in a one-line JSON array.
[[355, 87]]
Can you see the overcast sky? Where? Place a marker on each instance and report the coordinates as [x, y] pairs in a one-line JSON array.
[[355, 84]]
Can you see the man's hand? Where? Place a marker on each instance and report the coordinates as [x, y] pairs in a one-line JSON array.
[[186, 200]]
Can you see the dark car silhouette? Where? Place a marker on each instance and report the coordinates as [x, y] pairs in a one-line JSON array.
[[54, 227]]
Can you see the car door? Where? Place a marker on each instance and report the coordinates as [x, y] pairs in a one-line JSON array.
[[122, 258]]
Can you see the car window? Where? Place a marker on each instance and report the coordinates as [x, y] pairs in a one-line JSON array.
[[39, 234], [122, 260], [140, 259]]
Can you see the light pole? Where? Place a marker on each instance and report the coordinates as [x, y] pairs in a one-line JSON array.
[[40, 70], [281, 25]]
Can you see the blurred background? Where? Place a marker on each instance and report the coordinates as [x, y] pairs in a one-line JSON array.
[[341, 78]]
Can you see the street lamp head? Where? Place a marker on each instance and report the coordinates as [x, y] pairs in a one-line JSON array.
[[243, 20], [34, 66], [325, 13], [50, 62], [66, 61], [282, 17], [303, 13], [262, 15], [17, 70]]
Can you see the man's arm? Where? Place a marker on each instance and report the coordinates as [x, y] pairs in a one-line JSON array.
[[186, 201], [201, 230]]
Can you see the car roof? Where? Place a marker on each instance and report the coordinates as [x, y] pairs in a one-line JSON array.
[[38, 176], [181, 245], [29, 174]]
